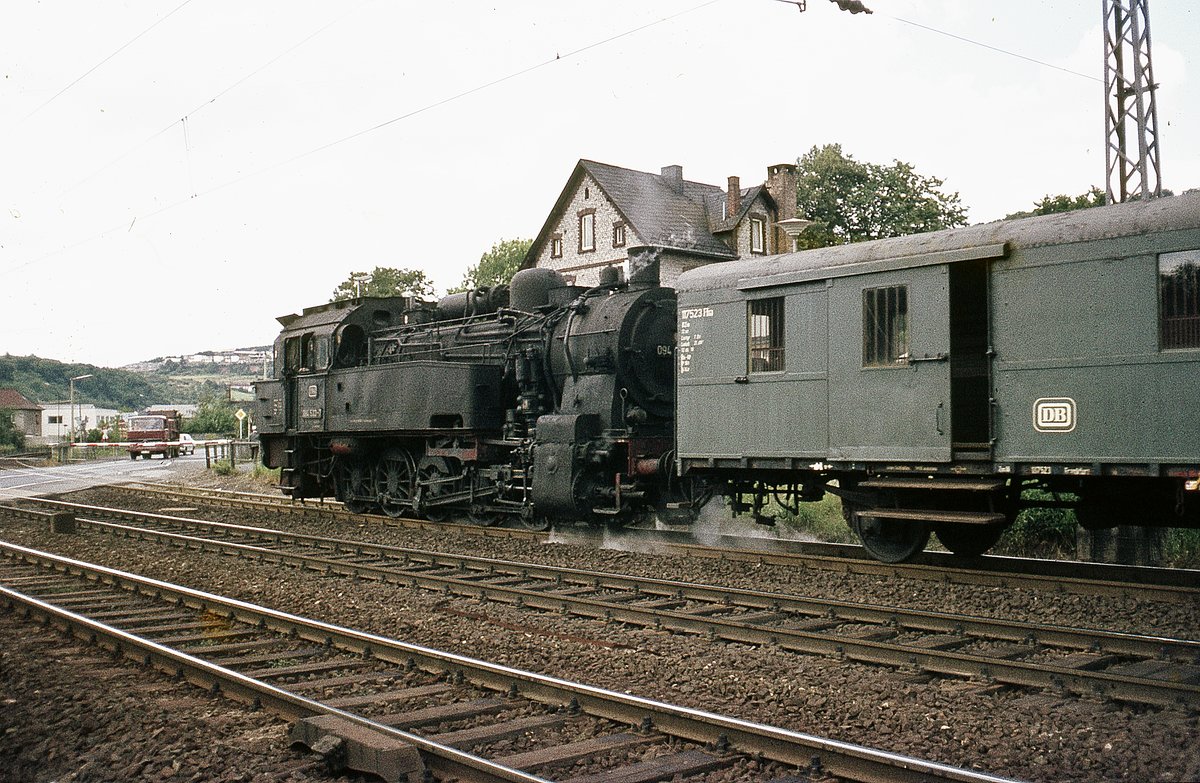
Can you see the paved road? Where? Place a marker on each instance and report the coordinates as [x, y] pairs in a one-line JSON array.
[[33, 481]]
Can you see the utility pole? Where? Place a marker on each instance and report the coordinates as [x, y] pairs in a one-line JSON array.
[[1130, 114]]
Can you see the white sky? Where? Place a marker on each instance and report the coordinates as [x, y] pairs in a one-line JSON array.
[[125, 235]]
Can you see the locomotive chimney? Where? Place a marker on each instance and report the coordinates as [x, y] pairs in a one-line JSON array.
[[673, 176], [733, 197]]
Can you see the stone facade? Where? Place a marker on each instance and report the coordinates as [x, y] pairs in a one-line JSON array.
[[580, 265], [638, 220]]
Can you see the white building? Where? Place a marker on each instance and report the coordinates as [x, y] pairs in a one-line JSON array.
[[56, 419]]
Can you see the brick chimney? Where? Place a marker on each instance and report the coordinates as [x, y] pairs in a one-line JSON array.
[[733, 197], [673, 176], [781, 184]]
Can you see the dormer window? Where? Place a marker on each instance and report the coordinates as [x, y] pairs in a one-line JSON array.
[[757, 235], [618, 235]]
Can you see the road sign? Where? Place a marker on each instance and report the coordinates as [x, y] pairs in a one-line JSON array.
[[240, 414]]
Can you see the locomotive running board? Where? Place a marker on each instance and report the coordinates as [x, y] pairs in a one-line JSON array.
[[933, 515]]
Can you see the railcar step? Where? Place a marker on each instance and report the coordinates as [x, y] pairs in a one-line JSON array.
[[973, 485], [934, 515]]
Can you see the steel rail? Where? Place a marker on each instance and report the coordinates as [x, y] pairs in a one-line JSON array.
[[912, 656], [1142, 582], [842, 759], [443, 758]]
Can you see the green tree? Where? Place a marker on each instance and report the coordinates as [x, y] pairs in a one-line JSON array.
[[496, 266], [213, 417], [10, 436], [1048, 204], [852, 201], [384, 281]]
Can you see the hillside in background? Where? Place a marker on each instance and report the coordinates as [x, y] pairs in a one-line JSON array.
[[156, 382]]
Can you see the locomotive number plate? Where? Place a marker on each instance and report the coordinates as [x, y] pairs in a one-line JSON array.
[[310, 413]]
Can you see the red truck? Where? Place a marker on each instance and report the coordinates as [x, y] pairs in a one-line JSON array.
[[157, 433]]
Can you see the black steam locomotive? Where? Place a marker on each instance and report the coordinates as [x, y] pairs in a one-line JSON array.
[[522, 403], [929, 381]]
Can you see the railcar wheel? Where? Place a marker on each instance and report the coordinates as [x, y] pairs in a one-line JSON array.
[[887, 540], [394, 479], [968, 540]]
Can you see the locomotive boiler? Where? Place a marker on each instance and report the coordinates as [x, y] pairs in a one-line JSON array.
[[515, 403]]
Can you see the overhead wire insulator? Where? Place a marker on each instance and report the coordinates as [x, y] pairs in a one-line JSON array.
[[853, 6]]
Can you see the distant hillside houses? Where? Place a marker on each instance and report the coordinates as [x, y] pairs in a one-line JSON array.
[[246, 357], [241, 356]]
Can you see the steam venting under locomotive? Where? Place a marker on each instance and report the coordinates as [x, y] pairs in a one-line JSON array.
[[523, 403]]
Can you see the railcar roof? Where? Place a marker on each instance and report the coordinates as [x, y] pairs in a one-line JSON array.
[[1130, 219]]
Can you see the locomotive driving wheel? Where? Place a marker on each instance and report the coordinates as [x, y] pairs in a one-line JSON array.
[[887, 540], [394, 477], [355, 485], [432, 475]]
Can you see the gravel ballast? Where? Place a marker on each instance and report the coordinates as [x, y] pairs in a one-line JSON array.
[[1013, 732]]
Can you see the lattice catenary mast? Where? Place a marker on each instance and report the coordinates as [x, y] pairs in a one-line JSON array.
[[1130, 115]]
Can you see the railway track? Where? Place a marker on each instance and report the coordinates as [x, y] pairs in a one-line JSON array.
[[1078, 578], [420, 708], [1152, 670]]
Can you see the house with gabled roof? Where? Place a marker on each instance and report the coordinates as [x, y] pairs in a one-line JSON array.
[[657, 226], [26, 415]]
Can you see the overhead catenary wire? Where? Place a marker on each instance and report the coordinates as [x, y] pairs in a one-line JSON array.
[[89, 71], [558, 57], [995, 48], [210, 101]]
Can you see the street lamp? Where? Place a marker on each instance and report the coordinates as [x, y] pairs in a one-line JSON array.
[[794, 227], [71, 433]]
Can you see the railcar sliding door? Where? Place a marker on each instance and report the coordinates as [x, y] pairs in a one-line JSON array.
[[889, 366]]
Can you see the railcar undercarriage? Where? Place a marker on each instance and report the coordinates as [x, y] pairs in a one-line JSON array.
[[894, 515]]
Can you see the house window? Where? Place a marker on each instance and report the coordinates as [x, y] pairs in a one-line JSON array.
[[757, 235], [54, 419], [618, 235], [556, 246], [1179, 299], [587, 231], [885, 326], [764, 343]]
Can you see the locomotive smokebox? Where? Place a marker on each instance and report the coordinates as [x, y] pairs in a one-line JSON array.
[[611, 344]]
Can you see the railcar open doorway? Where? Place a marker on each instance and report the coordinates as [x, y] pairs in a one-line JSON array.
[[970, 362]]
